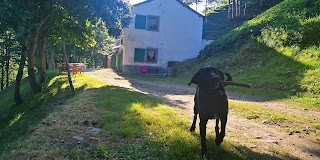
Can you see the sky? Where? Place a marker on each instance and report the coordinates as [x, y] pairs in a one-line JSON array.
[[200, 7]]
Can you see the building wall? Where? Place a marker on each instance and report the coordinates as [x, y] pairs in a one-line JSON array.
[[179, 36]]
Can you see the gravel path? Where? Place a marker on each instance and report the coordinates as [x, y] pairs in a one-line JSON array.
[[261, 138]]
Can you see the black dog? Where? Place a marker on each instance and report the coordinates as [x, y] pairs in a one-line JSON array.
[[211, 102]]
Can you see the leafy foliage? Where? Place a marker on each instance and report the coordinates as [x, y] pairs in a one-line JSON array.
[[56, 22]]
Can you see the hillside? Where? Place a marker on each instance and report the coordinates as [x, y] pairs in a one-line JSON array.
[[277, 52], [217, 23]]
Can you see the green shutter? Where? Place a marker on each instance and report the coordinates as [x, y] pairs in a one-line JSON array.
[[139, 54], [140, 22]]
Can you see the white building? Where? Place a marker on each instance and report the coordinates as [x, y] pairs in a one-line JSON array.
[[162, 31]]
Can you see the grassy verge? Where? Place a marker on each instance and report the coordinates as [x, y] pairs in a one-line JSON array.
[[133, 126], [291, 123], [16, 122]]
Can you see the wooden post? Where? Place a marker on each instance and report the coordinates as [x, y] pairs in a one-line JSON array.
[[68, 68]]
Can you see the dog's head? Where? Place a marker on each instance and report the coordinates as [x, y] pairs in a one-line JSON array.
[[209, 77]]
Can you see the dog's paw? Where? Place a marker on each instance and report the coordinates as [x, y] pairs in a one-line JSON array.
[[218, 141], [205, 156]]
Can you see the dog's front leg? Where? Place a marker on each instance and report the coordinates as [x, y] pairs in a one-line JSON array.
[[203, 127], [195, 111], [220, 136]]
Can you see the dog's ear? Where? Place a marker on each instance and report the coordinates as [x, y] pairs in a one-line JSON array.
[[229, 77], [195, 78]]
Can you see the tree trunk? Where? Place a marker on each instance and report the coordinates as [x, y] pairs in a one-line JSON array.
[[42, 59], [68, 68], [229, 9], [50, 57], [35, 87], [234, 8], [74, 54], [17, 98], [240, 8], [196, 5], [95, 59], [244, 9], [2, 75], [7, 66], [237, 7]]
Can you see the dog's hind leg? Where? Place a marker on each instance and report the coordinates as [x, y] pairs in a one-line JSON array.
[[217, 127], [220, 136], [193, 126]]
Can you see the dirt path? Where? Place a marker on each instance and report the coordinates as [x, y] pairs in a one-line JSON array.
[[261, 138]]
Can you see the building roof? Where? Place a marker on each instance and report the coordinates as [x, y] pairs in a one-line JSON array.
[[179, 1]]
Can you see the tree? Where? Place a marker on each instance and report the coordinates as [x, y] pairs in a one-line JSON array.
[[191, 2], [35, 87], [2, 73], [42, 47], [239, 8], [229, 9], [104, 44], [34, 18], [17, 97], [235, 9], [9, 48], [11, 20], [7, 57]]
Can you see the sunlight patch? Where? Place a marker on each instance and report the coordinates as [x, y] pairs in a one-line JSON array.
[[15, 119]]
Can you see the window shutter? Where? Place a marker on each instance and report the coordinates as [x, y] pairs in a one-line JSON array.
[[139, 54], [140, 21]]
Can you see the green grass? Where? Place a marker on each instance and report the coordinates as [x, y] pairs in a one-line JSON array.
[[308, 126], [134, 126]]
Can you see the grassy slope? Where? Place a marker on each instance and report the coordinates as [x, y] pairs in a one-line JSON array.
[[217, 24], [277, 52], [134, 126]]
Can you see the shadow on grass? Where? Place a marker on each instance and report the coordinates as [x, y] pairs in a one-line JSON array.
[[140, 127], [18, 122]]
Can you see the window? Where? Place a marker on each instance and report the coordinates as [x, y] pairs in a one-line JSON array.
[[145, 55], [153, 23], [140, 22], [139, 54], [152, 55], [150, 23]]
